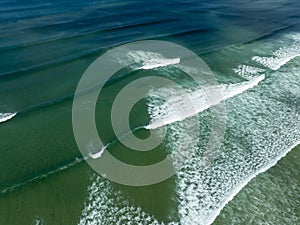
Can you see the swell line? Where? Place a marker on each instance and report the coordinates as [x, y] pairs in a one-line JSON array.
[[79, 160], [174, 109], [75, 162], [39, 177], [259, 38], [153, 125], [96, 155], [79, 34], [95, 51], [92, 155], [69, 97], [271, 33]]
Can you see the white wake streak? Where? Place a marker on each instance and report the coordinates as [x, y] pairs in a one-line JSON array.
[[6, 116]]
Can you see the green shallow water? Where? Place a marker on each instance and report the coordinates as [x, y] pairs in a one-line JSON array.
[[272, 196]]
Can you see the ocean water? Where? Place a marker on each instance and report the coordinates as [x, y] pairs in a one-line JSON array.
[[253, 49]]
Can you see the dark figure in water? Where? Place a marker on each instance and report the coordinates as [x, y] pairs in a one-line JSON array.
[[52, 214]]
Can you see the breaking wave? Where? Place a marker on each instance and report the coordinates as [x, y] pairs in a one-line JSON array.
[[6, 116], [175, 108], [261, 128]]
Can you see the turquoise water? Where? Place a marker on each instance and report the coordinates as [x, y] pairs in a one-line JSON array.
[[252, 48]]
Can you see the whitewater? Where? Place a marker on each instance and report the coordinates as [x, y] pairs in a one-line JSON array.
[[251, 146]]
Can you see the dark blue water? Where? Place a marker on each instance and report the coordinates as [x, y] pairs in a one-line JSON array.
[[45, 47]]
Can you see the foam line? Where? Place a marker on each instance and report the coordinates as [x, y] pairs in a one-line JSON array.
[[283, 55], [6, 116], [99, 154], [246, 181], [177, 109], [152, 64]]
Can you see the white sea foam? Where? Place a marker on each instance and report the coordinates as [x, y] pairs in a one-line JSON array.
[[176, 108], [248, 72], [282, 55], [145, 60], [155, 63], [38, 221], [260, 132], [107, 205], [262, 126], [6, 116], [98, 154]]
